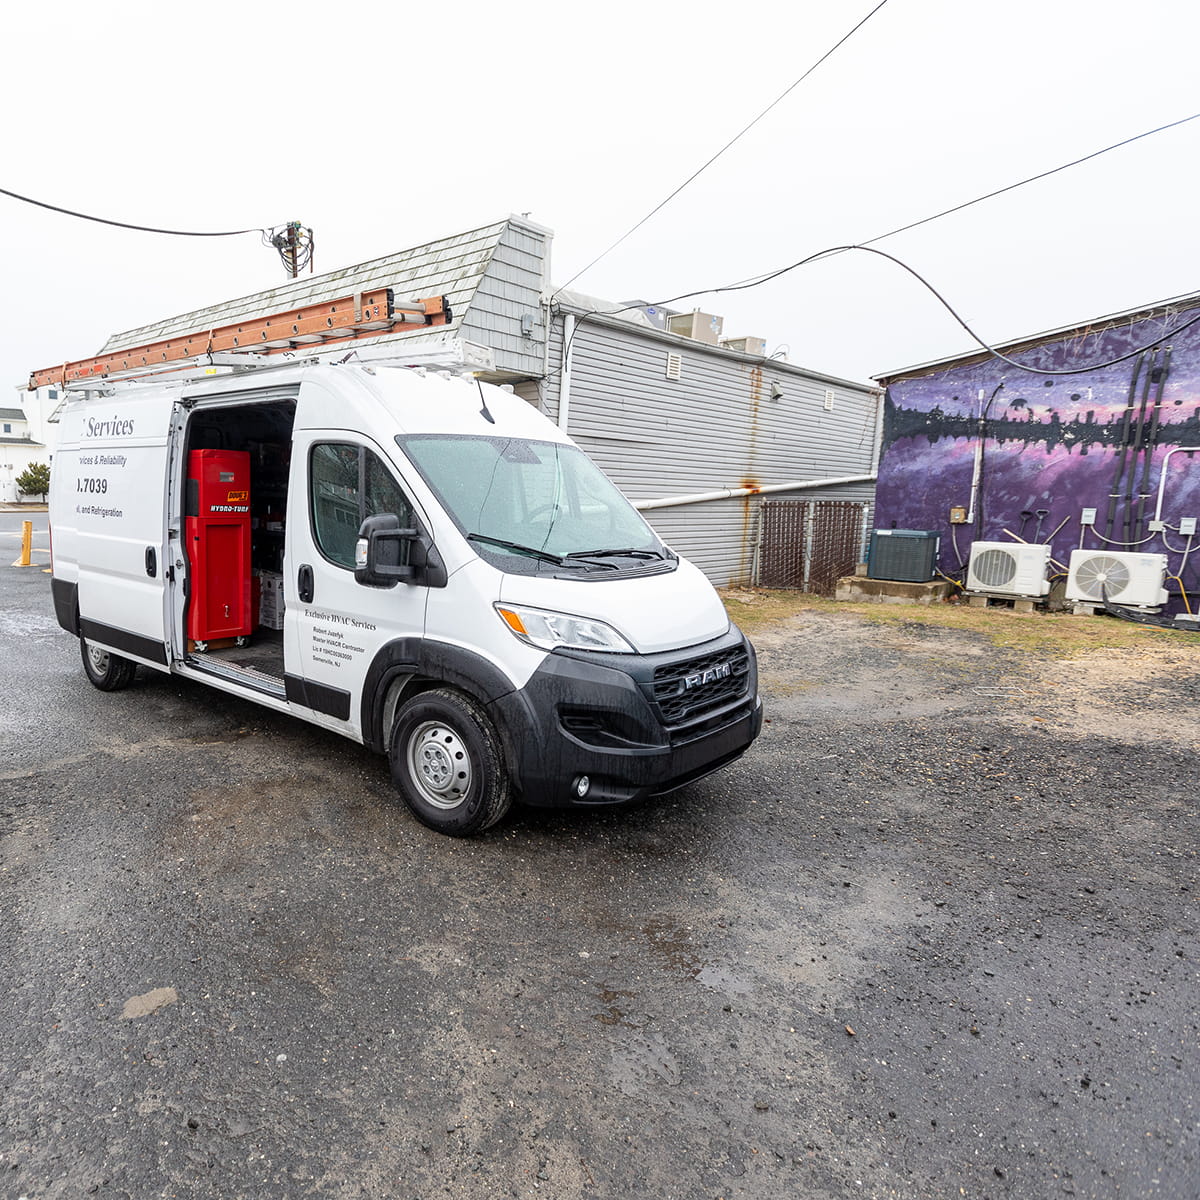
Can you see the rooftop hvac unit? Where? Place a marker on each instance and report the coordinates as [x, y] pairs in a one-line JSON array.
[[903, 555], [703, 327], [1123, 578], [1009, 569], [746, 345]]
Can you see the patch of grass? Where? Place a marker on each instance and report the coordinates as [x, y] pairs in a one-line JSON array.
[[1059, 635]]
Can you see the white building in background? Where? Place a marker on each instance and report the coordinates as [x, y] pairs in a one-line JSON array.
[[20, 445], [40, 407]]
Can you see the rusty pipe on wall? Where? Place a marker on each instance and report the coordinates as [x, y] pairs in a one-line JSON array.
[[731, 493]]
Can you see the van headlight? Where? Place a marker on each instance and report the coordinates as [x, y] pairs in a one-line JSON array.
[[552, 630]]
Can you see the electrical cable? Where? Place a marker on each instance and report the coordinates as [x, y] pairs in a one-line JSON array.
[[125, 225], [957, 552], [1182, 592], [1000, 191], [737, 137], [1114, 542], [1175, 549], [1031, 179], [1138, 618], [820, 254], [1126, 435], [757, 280], [1144, 493]]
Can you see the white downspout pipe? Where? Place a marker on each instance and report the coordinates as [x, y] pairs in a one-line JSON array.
[[730, 493], [564, 378]]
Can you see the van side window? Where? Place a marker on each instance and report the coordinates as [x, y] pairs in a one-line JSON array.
[[348, 483]]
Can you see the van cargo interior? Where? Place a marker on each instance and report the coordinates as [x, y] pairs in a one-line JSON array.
[[263, 432]]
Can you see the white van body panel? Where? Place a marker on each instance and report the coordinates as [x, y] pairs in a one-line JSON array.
[[476, 587], [332, 639], [108, 512], [454, 405], [653, 613]]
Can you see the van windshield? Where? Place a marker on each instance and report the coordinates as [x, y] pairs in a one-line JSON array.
[[536, 502]]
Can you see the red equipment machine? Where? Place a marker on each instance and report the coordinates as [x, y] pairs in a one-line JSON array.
[[218, 541]]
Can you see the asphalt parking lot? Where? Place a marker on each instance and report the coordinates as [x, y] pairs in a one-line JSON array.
[[935, 935]]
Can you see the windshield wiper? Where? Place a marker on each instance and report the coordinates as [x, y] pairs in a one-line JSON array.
[[517, 548], [629, 553]]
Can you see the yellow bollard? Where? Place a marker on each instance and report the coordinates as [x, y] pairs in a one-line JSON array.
[[26, 545]]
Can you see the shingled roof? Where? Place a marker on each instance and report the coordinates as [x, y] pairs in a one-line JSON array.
[[493, 277]]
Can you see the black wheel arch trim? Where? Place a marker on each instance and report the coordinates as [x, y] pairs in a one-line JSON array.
[[440, 662]]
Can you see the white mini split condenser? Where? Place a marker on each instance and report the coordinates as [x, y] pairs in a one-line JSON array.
[[1122, 577], [1008, 568]]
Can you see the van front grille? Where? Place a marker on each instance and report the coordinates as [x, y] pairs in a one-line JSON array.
[[685, 691]]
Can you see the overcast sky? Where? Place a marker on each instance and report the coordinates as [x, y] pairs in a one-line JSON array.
[[384, 125]]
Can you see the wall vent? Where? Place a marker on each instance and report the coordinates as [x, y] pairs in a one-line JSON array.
[[674, 366]]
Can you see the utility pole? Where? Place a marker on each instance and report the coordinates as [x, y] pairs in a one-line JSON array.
[[294, 244]]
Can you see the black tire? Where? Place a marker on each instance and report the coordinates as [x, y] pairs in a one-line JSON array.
[[105, 670], [448, 764]]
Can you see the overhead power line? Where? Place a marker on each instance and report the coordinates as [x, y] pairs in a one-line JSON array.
[[1137, 137], [737, 137], [754, 280], [125, 224], [834, 250], [293, 241], [867, 246]]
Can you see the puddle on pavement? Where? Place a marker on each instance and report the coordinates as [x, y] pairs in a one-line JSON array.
[[643, 1062]]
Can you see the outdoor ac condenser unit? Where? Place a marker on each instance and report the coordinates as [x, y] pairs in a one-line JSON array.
[[1008, 568], [1124, 578], [903, 555]]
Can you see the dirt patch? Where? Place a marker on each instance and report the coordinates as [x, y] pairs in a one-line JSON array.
[[1077, 677], [1145, 694]]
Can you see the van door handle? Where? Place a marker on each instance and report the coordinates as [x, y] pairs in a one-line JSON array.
[[151, 562], [304, 583]]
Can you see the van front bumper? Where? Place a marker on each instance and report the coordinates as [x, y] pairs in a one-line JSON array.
[[629, 724]]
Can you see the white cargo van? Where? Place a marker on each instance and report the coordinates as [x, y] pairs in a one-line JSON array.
[[416, 560]]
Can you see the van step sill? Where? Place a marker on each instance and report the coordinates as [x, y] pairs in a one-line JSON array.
[[260, 681]]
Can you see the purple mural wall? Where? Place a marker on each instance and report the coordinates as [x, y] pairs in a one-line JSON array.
[[1053, 446]]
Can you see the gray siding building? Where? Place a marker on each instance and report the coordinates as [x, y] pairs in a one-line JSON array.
[[674, 420], [698, 435]]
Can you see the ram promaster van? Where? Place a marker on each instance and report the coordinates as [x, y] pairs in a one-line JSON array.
[[414, 559]]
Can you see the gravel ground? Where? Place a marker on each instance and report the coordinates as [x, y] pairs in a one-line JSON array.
[[936, 935]]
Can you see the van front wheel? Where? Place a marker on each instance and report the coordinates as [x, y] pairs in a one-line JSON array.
[[448, 764], [107, 671]]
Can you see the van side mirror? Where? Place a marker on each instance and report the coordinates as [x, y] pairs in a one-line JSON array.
[[381, 554]]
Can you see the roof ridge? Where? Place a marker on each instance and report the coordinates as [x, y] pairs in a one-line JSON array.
[[309, 289]]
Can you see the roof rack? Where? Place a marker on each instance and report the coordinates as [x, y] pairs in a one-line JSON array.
[[453, 354], [312, 326]]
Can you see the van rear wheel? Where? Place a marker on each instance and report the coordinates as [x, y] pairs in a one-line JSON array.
[[448, 764], [105, 670]]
